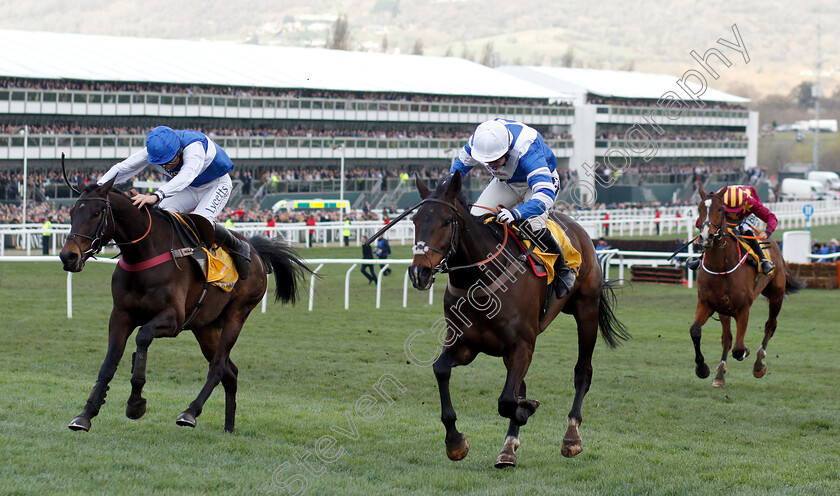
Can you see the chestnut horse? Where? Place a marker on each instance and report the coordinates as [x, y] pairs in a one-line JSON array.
[[165, 298], [727, 285], [494, 305]]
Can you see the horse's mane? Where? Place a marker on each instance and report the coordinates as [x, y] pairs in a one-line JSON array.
[[463, 200]]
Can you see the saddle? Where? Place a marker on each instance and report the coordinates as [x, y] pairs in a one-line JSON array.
[[196, 234], [546, 260], [753, 258]]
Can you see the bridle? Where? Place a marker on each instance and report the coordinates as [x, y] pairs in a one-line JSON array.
[[96, 243], [421, 248], [720, 232]]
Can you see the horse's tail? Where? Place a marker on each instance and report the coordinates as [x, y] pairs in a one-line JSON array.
[[612, 329], [289, 270], [792, 284]]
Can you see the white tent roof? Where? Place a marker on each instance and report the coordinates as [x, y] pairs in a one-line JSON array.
[[617, 84], [27, 54]]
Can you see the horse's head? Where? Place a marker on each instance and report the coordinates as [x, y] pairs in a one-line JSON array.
[[438, 223], [712, 219], [91, 226]]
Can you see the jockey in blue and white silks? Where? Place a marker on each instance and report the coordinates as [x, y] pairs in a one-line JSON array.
[[525, 182], [524, 170], [200, 181]]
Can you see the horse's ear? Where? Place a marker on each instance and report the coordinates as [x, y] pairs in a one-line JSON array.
[[106, 188], [721, 191], [454, 184], [701, 192], [422, 188]]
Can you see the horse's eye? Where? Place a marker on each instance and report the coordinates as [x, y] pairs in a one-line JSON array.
[[94, 214], [447, 222]]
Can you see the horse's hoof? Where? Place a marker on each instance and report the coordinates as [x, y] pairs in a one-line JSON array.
[[718, 383], [135, 409], [186, 420], [758, 374], [571, 450], [702, 370], [505, 460], [458, 450], [740, 355], [79, 424]]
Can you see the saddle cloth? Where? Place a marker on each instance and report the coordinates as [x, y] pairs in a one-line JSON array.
[[215, 262], [747, 248], [570, 253]]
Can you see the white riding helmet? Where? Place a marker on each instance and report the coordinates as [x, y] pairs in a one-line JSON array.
[[490, 142]]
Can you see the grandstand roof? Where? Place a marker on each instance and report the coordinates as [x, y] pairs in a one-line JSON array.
[[612, 84], [42, 55]]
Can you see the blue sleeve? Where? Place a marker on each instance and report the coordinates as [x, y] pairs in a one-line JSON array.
[[538, 172], [464, 163]]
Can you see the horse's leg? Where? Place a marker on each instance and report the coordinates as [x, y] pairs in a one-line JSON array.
[[208, 339], [119, 328], [220, 366], [701, 315], [586, 317], [457, 446], [726, 340], [511, 404], [507, 457], [164, 324], [742, 319], [759, 369]]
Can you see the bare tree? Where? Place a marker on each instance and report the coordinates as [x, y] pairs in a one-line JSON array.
[[339, 38], [488, 56], [466, 54], [449, 52], [568, 57], [418, 47], [385, 44]]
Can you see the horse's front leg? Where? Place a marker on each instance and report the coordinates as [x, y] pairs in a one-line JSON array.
[[760, 368], [119, 328], [726, 340], [701, 315], [742, 319], [457, 446], [512, 401], [164, 324], [507, 457]]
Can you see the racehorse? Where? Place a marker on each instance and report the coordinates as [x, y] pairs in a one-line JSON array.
[[165, 298], [503, 316], [727, 285]]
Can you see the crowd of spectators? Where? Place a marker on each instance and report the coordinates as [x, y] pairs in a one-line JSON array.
[[676, 135], [187, 89], [830, 247], [642, 102]]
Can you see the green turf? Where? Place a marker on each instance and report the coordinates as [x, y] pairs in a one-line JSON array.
[[650, 426]]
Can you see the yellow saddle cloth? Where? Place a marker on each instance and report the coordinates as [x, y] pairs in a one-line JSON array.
[[570, 253], [220, 269], [747, 248]]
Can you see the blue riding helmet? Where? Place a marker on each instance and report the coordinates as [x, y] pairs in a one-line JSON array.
[[162, 144]]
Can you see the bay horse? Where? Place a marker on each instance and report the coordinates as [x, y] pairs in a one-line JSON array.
[[729, 286], [166, 298], [485, 273]]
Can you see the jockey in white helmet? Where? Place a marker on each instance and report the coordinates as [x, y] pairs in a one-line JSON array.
[[525, 182]]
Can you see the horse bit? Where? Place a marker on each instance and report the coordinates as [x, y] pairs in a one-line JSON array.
[[421, 248]]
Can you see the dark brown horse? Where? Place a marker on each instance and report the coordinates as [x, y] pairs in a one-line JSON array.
[[164, 299], [494, 305], [727, 285]]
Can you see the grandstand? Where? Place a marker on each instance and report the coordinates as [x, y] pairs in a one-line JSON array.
[[289, 116], [645, 120]]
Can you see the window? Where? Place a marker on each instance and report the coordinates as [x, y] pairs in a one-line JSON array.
[[33, 96], [152, 99], [96, 98], [137, 98], [18, 96], [48, 141], [166, 100], [4, 95], [124, 98]]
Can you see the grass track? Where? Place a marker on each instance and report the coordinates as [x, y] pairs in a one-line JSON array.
[[650, 426]]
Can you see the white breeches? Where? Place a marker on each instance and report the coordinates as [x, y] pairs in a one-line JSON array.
[[206, 200]]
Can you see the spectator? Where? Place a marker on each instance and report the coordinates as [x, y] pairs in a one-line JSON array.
[[383, 251]]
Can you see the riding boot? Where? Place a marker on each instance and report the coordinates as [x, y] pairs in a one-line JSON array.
[[239, 250], [765, 265], [564, 277], [693, 263]]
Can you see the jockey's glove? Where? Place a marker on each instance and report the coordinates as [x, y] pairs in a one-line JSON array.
[[506, 216]]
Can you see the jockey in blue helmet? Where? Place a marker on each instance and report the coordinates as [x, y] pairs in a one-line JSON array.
[[200, 181]]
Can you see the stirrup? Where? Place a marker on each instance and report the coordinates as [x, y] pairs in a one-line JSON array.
[[693, 263], [766, 267]]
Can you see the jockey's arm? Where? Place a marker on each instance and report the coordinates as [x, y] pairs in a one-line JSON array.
[[539, 180], [194, 158], [763, 213], [464, 163], [126, 169]]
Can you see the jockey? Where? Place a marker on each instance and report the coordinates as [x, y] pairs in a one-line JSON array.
[[741, 203], [200, 181], [525, 182]]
